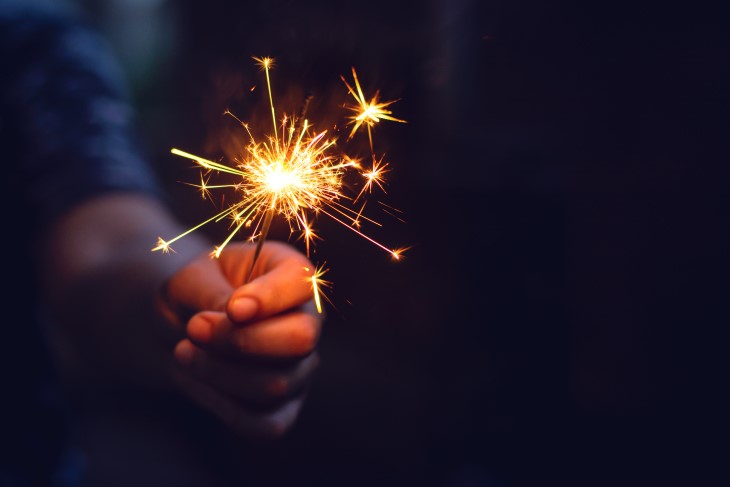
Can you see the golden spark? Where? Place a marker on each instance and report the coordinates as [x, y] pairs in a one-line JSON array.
[[374, 176], [318, 284], [367, 112]]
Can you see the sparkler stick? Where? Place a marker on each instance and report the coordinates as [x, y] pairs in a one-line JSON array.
[[264, 232], [294, 172], [266, 63]]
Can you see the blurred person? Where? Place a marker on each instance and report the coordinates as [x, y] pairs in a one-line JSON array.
[[124, 330]]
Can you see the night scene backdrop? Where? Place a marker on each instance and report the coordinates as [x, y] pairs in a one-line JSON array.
[[562, 176]]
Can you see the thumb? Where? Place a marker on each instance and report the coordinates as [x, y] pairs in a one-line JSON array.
[[199, 286], [283, 282]]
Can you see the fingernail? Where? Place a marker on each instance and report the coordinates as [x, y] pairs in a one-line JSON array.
[[200, 329], [184, 352], [244, 308]]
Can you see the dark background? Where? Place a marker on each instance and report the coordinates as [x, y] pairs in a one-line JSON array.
[[563, 178]]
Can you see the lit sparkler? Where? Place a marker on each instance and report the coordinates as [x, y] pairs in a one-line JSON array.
[[297, 173]]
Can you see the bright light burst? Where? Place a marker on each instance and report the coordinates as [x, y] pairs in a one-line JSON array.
[[296, 173], [367, 112]]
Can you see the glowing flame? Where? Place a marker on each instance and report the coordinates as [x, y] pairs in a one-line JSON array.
[[296, 174]]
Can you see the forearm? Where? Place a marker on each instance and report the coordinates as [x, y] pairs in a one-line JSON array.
[[101, 281]]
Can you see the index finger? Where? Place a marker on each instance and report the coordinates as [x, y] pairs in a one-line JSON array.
[[282, 280], [286, 336]]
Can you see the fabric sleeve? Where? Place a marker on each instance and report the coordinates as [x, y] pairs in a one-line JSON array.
[[66, 120]]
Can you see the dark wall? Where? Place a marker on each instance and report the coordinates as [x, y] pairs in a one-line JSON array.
[[562, 176]]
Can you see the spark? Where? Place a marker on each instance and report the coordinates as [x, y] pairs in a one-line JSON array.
[[318, 284], [367, 112], [397, 254], [266, 63], [296, 173], [374, 176], [163, 246], [205, 188]]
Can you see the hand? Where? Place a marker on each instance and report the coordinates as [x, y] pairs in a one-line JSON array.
[[249, 349]]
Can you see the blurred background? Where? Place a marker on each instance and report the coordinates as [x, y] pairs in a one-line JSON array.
[[563, 179]]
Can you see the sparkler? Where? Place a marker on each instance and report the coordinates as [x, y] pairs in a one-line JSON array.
[[297, 173]]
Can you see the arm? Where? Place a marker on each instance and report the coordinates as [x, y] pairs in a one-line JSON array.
[[87, 192], [100, 281]]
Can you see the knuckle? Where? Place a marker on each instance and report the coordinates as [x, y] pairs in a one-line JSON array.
[[305, 336]]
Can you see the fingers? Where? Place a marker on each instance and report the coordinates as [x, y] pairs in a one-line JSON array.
[[252, 424], [284, 336], [280, 333], [254, 383], [282, 280], [198, 286]]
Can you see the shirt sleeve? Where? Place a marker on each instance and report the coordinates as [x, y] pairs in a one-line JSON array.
[[66, 122]]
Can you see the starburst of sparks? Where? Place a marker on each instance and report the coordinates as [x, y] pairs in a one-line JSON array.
[[297, 172], [367, 112]]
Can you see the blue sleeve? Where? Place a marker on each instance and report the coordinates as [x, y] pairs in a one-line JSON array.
[[66, 123]]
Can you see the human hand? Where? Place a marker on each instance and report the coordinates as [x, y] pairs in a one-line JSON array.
[[249, 349]]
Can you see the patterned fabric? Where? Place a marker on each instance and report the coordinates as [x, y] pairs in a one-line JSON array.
[[64, 114]]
